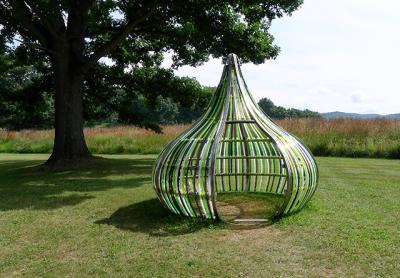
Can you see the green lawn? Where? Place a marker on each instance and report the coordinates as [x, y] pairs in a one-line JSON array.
[[105, 220]]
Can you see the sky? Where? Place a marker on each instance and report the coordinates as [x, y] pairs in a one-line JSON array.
[[341, 55]]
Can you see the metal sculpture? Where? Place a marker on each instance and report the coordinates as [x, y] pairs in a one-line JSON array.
[[233, 147]]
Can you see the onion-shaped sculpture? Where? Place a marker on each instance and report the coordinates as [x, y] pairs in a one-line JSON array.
[[235, 150]]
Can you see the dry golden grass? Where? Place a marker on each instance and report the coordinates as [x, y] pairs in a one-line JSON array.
[[117, 139], [94, 132], [340, 137], [348, 137], [132, 131], [343, 126]]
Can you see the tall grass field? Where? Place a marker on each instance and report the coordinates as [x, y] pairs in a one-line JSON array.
[[340, 137]]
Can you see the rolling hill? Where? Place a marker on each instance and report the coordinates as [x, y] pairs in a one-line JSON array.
[[337, 114]]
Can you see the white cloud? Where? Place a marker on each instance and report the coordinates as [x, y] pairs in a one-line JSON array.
[[359, 97]]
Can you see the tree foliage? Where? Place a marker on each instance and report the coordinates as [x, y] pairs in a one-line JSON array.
[[146, 97], [139, 31], [25, 95], [154, 96]]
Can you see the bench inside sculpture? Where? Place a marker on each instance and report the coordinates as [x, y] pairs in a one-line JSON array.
[[235, 163]]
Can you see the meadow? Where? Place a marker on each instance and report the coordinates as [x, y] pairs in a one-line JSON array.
[[341, 137], [104, 219]]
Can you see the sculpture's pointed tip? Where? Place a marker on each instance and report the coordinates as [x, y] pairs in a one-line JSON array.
[[231, 58]]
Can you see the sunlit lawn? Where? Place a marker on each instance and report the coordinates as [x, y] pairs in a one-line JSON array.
[[105, 220]]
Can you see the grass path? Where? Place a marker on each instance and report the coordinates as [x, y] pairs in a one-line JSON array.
[[104, 220]]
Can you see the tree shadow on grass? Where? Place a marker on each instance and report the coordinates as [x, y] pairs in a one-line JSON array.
[[151, 217], [24, 185]]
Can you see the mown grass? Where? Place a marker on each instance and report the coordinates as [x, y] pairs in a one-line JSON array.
[[341, 137], [104, 220]]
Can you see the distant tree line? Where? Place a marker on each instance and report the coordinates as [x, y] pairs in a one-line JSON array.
[[279, 112], [145, 96]]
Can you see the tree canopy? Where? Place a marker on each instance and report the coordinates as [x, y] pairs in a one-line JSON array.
[[138, 32]]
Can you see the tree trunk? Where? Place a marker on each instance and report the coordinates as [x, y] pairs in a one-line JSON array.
[[69, 141]]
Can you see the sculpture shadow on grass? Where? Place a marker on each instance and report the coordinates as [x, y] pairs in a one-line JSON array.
[[151, 217]]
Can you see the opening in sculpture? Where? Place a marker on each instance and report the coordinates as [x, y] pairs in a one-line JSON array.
[[235, 163]]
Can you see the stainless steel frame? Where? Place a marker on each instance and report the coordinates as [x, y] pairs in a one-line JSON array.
[[233, 147]]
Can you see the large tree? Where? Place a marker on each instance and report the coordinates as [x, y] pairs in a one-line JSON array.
[[72, 36]]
